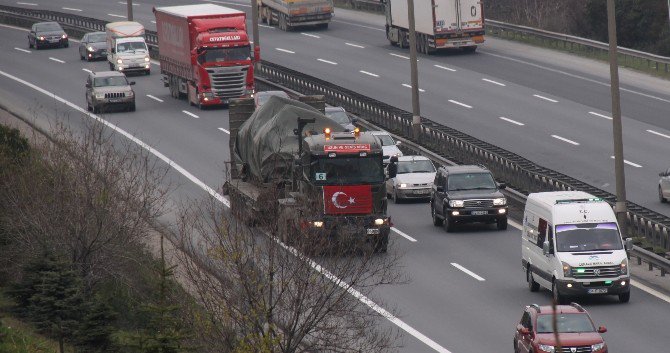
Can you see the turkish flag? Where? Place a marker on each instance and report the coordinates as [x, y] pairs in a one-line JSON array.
[[347, 199]]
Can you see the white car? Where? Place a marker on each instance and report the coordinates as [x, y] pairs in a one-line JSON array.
[[413, 180], [389, 146], [664, 186]]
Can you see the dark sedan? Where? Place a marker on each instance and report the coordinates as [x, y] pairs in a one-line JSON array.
[[47, 34], [93, 46]]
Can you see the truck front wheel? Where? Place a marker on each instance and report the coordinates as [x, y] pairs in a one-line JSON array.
[[382, 244]]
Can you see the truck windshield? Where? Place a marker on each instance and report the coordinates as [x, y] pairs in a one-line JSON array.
[[131, 47], [588, 237], [347, 171], [215, 55], [470, 181]]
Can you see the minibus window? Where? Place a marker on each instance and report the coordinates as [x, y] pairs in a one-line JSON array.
[[588, 237], [541, 232]]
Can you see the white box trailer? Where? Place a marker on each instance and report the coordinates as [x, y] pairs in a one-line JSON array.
[[439, 24]]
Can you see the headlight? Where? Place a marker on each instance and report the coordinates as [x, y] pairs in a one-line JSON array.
[[90, 48], [41, 38], [380, 221], [456, 203], [208, 95], [500, 201], [99, 95], [567, 270], [623, 267], [64, 36], [402, 185], [119, 61], [130, 94], [598, 346], [146, 58], [547, 348], [318, 224]]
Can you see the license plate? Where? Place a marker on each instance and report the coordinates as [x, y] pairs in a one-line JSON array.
[[423, 192], [479, 213], [114, 100], [54, 40], [372, 231], [597, 291]]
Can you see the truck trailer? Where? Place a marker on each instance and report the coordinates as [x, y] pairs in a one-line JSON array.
[[439, 24], [313, 184], [205, 54], [288, 14], [127, 50]]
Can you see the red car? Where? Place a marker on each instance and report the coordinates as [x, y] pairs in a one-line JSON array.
[[576, 331]]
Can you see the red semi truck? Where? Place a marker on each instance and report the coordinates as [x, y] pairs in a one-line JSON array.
[[205, 53]]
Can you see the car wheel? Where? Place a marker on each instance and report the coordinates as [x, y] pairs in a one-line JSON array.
[[131, 107], [501, 223], [96, 109], [448, 223], [558, 297], [111, 67], [436, 220], [36, 46], [532, 285], [396, 199], [624, 297], [660, 195], [148, 72], [66, 45], [30, 44], [516, 349], [88, 106], [382, 244]]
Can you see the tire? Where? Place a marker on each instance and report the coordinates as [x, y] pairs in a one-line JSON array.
[[624, 297], [111, 67], [395, 197], [660, 196], [382, 244], [131, 107], [36, 46], [501, 223], [147, 72], [88, 106], [30, 44], [66, 45], [436, 221], [558, 297], [532, 285], [96, 109], [448, 224]]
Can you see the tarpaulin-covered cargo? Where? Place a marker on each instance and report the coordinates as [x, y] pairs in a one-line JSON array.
[[266, 144]]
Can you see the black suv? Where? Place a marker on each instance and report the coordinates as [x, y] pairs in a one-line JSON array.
[[467, 193]]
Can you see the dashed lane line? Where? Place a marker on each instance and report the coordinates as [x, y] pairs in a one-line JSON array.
[[355, 45], [512, 121], [410, 86], [71, 9], [87, 70], [327, 61], [600, 115], [368, 73], [565, 140], [114, 15], [285, 50], [474, 275], [311, 35], [403, 234], [23, 50], [494, 82], [459, 103], [27, 3], [400, 56], [224, 130], [630, 163], [445, 68], [545, 98], [155, 98], [57, 60], [658, 134], [191, 114]]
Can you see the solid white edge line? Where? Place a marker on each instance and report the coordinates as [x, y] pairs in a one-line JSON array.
[[71, 9], [659, 134], [472, 274], [494, 82], [57, 60], [266, 26], [355, 45], [310, 35], [368, 73], [191, 114], [285, 50], [327, 61], [224, 130], [155, 98], [461, 104], [565, 140], [649, 290], [444, 68], [400, 56], [26, 3], [511, 121], [630, 163], [87, 70], [23, 50], [403, 234], [545, 98], [228, 3], [600, 115]]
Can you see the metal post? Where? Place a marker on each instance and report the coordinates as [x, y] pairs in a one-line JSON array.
[[254, 29], [416, 111], [620, 207], [129, 3]]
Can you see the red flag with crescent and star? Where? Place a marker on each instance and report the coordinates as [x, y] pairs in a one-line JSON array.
[[347, 199]]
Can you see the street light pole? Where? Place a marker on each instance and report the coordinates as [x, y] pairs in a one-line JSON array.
[[129, 3], [416, 111], [620, 207], [254, 25]]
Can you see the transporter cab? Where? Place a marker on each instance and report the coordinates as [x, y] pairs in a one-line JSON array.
[[571, 244]]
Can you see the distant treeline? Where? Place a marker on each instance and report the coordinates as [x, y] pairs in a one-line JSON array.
[[641, 24]]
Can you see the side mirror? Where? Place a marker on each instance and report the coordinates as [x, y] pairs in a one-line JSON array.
[[602, 329], [629, 244], [545, 248], [397, 143], [132, 83], [502, 186], [354, 120], [88, 85]]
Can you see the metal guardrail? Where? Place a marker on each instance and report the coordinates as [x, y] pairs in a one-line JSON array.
[[445, 142]]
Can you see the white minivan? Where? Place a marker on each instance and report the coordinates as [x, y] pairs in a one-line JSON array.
[[571, 245]]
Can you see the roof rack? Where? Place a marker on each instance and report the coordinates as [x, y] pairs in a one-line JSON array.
[[536, 307], [578, 307], [592, 199]]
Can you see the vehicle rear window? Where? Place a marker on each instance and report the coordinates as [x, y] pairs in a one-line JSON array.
[[565, 323]]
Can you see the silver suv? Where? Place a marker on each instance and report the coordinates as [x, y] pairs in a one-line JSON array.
[[109, 89]]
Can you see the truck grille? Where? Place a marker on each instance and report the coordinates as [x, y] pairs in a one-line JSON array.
[[478, 203], [228, 82], [580, 349], [115, 95], [597, 272]]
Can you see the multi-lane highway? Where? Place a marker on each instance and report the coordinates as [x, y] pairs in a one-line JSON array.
[[467, 288]]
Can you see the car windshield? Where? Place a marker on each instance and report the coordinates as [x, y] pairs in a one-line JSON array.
[[565, 323], [420, 166], [470, 181], [347, 171], [131, 46], [386, 140], [588, 237], [96, 38], [110, 81], [339, 116], [262, 98], [48, 27], [214, 55]]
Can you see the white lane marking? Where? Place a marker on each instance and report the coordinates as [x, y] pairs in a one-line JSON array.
[[514, 224], [154, 22], [403, 234], [512, 121], [23, 50], [227, 3], [368, 73], [461, 104], [494, 82], [224, 130], [474, 275], [630, 163], [26, 3], [310, 35], [285, 51], [565, 140], [359, 25], [57, 60], [445, 68], [545, 98], [358, 295], [651, 291], [576, 76], [410, 86], [113, 15], [400, 56], [155, 98], [87, 70], [71, 9], [125, 3], [355, 45], [327, 61], [659, 134], [600, 115], [266, 26], [191, 114]]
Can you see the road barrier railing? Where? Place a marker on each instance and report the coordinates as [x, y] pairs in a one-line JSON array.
[[444, 141]]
